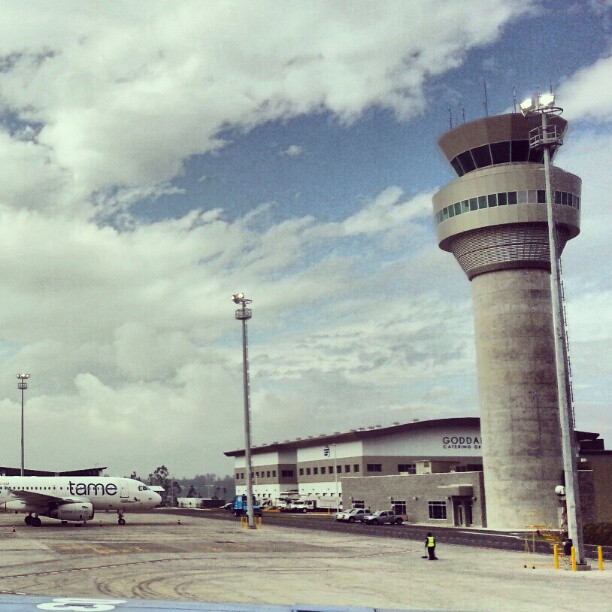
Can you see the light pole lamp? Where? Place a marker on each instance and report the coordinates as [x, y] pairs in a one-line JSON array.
[[244, 314], [545, 137], [23, 385]]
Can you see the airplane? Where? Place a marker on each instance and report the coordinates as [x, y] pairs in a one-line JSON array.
[[73, 498]]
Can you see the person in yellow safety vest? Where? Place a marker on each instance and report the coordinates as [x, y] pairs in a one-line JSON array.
[[430, 544]]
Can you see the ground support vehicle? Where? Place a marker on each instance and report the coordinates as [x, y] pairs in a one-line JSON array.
[[307, 504], [383, 516], [240, 506]]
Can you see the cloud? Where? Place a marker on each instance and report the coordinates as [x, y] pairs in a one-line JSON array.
[[586, 95], [587, 277], [293, 151], [127, 327], [130, 336], [124, 97]]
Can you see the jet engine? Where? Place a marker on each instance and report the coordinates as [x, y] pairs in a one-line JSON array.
[[76, 511]]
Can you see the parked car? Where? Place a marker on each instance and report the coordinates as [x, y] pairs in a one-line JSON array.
[[352, 515], [383, 516]]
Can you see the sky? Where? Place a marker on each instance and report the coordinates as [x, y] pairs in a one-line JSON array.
[[156, 158]]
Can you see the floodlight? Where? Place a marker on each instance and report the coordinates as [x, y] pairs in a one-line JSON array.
[[527, 106], [546, 99], [238, 297]]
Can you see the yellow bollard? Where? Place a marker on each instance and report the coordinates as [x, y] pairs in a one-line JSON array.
[[244, 522], [600, 557], [556, 555], [573, 559]]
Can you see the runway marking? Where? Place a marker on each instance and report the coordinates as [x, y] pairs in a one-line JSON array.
[[90, 568]]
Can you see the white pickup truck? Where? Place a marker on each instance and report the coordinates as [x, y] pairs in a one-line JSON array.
[[352, 515]]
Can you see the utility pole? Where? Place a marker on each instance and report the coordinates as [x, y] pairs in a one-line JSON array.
[[244, 314], [23, 385], [545, 138]]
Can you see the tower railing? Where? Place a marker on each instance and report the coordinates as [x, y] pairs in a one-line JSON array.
[[545, 136]]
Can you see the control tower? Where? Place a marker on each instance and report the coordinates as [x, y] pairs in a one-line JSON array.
[[492, 218]]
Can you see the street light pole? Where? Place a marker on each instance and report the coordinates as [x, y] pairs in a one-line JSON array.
[[545, 138], [244, 314], [23, 385]]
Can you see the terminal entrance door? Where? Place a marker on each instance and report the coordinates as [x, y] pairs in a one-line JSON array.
[[462, 511]]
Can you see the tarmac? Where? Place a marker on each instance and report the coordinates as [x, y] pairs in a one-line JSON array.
[[154, 557]]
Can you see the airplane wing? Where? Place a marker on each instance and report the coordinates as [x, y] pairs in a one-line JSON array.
[[42, 499]]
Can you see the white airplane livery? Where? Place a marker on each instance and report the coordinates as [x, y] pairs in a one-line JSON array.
[[73, 498]]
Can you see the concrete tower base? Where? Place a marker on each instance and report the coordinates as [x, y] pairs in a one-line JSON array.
[[522, 455]]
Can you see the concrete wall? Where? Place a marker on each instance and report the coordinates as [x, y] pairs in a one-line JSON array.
[[432, 442], [599, 510], [340, 450], [266, 459], [518, 397], [417, 490]]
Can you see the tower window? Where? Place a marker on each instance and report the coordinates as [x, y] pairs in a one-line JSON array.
[[467, 162], [482, 156], [500, 151]]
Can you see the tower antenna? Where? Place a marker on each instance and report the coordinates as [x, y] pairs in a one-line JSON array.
[[486, 99]]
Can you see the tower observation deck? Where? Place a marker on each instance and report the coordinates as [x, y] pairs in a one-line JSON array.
[[493, 219]]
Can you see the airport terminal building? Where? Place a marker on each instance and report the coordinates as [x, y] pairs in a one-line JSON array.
[[431, 471]]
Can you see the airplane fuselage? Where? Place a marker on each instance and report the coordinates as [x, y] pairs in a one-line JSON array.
[[65, 497]]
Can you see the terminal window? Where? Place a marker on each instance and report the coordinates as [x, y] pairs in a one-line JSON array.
[[399, 507], [301, 471], [437, 510], [407, 467], [307, 471], [347, 468], [323, 470], [356, 467], [287, 473], [315, 470], [358, 503], [374, 467]]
